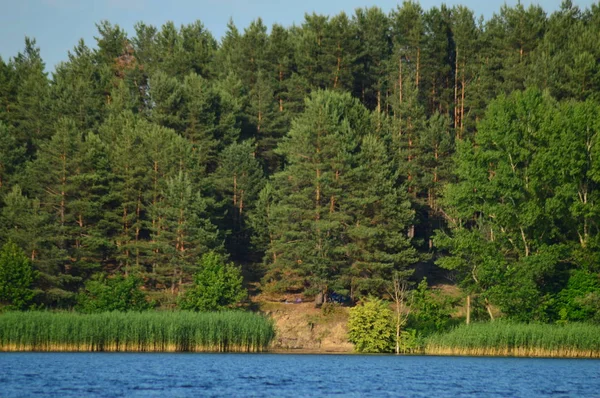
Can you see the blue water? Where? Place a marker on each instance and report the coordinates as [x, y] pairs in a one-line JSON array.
[[286, 375]]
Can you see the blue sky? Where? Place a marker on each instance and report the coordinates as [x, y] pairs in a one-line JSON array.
[[57, 25]]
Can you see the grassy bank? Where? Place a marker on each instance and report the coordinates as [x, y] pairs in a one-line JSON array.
[[139, 332], [527, 340]]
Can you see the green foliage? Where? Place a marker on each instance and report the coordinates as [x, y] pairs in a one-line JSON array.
[[431, 311], [578, 300], [117, 293], [135, 331], [338, 218], [411, 341], [370, 326], [147, 151], [217, 285], [16, 278]]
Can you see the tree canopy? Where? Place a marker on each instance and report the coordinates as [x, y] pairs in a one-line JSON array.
[[333, 155]]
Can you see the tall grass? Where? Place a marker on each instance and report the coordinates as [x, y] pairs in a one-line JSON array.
[[135, 331], [513, 339]]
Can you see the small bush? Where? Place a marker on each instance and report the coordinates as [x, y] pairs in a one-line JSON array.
[[370, 327], [16, 277], [431, 311], [217, 286]]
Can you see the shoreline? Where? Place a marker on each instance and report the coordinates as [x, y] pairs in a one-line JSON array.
[[448, 353]]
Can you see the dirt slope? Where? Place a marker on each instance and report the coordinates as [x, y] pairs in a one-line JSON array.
[[304, 328]]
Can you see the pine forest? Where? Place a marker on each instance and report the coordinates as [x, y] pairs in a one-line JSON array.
[[349, 154]]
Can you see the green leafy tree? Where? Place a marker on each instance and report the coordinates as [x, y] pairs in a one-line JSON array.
[[16, 277], [217, 285], [514, 219], [116, 293], [371, 327]]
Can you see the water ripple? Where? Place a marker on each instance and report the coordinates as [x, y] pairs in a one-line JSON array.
[[227, 375]]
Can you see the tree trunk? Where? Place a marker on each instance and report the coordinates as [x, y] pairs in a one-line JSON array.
[[468, 309], [418, 67], [488, 307], [280, 83], [338, 68], [456, 90], [462, 102]]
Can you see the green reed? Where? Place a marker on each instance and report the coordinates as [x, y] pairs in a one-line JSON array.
[[514, 339], [135, 331]]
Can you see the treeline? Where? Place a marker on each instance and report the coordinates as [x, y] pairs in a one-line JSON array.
[[316, 156]]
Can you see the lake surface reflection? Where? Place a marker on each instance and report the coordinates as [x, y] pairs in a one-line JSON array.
[[290, 375]]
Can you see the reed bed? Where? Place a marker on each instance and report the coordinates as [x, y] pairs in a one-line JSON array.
[[523, 340], [135, 332]]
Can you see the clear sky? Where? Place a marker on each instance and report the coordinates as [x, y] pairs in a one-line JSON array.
[[57, 25]]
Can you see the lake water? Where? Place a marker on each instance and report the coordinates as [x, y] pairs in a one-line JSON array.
[[290, 375]]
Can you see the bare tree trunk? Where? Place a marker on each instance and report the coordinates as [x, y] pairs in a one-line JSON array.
[[401, 306], [488, 307], [280, 82], [418, 67], [338, 68], [468, 309], [462, 103], [456, 90]]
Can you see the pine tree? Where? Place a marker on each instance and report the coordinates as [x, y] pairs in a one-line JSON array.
[[29, 114], [438, 61], [24, 223], [381, 215], [465, 37], [305, 221], [7, 90], [280, 63], [56, 174], [316, 64], [182, 234], [408, 31], [239, 179], [77, 90], [131, 179], [373, 34], [12, 156]]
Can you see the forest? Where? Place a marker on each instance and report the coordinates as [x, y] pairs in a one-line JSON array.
[[344, 154]]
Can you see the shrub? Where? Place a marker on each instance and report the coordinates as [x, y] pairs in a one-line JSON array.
[[578, 301], [16, 277], [431, 310], [217, 286], [370, 326], [118, 293]]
